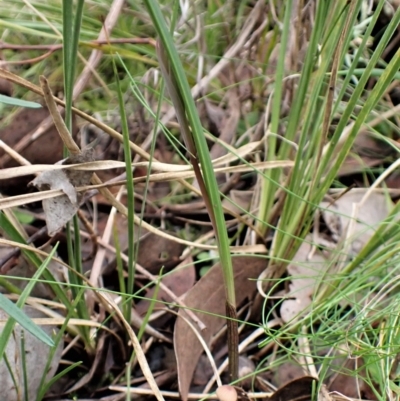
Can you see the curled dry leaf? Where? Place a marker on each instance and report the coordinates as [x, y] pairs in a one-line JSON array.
[[60, 209], [208, 296]]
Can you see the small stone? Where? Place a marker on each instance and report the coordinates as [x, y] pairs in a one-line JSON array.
[[227, 393]]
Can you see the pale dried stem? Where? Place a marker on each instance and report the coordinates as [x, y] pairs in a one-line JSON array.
[[171, 394], [136, 345], [305, 357], [15, 155], [101, 253]]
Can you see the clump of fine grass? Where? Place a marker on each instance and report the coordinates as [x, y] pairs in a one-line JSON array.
[[308, 113]]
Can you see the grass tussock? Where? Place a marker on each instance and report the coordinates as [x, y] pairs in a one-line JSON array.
[[224, 160]]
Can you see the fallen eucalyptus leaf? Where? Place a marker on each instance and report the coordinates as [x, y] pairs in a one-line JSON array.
[[187, 346]]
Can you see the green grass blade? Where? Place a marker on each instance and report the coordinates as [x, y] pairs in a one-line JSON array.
[[57, 377], [11, 101], [13, 234], [23, 363], [17, 315], [131, 196], [196, 144], [71, 33], [44, 387], [198, 137]]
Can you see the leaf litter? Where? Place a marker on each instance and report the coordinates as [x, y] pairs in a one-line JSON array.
[[351, 223], [305, 271]]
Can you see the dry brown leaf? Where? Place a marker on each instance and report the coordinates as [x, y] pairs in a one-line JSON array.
[[156, 252], [305, 269], [208, 295], [179, 281], [241, 201], [371, 213], [287, 372], [297, 390], [60, 209]]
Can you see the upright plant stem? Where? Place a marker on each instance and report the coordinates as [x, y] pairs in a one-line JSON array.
[[196, 144], [71, 32]]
